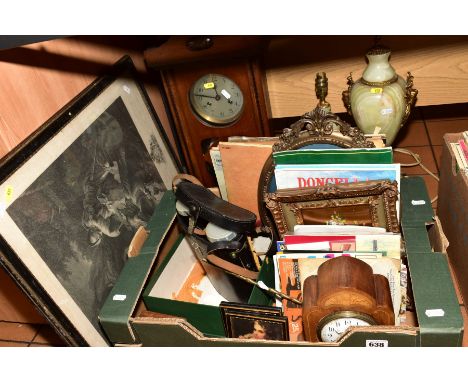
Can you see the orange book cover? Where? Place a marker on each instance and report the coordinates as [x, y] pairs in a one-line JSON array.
[[242, 164], [290, 281]]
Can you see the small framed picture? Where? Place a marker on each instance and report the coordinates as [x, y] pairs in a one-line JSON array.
[[256, 326]]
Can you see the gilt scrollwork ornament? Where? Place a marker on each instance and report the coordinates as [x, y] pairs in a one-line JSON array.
[[373, 204]]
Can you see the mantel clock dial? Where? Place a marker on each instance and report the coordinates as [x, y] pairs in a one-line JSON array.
[[332, 327], [344, 293], [216, 99]]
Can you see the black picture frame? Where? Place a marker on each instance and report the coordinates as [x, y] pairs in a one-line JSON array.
[[74, 193], [257, 323]]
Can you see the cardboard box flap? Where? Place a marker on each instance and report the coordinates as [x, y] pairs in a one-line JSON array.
[[419, 241], [415, 205], [120, 304], [437, 307]]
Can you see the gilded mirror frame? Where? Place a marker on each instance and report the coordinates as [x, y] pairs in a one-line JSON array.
[[319, 126]]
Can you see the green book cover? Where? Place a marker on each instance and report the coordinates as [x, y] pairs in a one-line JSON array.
[[335, 156]]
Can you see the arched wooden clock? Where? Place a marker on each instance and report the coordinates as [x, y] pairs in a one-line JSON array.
[[214, 87], [344, 293]]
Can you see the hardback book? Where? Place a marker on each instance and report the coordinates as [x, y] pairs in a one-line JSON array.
[[242, 164], [335, 156]]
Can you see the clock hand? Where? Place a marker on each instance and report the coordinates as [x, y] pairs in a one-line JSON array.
[[226, 95], [208, 96], [218, 97], [216, 91]]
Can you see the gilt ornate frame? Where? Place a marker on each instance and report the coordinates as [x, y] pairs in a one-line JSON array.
[[377, 198], [319, 126]]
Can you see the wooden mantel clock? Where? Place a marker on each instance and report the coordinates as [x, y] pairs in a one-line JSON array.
[[344, 293], [214, 87]]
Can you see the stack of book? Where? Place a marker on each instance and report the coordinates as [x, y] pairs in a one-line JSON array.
[[302, 251], [460, 149], [238, 164]]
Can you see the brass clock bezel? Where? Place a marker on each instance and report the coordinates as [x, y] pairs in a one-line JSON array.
[[209, 119], [343, 314]]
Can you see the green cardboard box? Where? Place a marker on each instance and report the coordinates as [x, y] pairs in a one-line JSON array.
[[438, 322], [177, 266]]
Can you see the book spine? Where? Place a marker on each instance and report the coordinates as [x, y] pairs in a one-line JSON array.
[[219, 172], [465, 136], [460, 157], [464, 148], [337, 157]]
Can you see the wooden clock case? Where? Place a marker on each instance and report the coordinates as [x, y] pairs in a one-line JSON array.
[[182, 62], [345, 284]]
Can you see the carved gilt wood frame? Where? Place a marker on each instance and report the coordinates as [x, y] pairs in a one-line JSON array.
[[375, 194], [319, 126]]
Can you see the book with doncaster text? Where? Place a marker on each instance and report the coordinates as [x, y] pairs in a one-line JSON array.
[[301, 176]]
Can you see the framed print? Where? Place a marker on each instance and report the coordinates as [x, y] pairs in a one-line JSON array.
[[370, 203], [74, 194], [244, 325]]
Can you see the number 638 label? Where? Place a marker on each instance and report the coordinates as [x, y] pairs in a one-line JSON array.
[[376, 343]]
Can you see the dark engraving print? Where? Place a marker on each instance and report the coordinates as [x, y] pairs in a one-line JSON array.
[[82, 211]]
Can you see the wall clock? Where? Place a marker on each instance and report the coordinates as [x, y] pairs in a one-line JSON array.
[[214, 88], [217, 100], [344, 293]]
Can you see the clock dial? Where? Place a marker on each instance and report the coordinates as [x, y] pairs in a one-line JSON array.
[[216, 99], [333, 326]]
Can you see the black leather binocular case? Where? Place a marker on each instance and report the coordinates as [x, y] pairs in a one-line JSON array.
[[219, 233]]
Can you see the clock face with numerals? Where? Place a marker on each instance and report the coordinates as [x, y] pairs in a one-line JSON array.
[[332, 327], [216, 100]]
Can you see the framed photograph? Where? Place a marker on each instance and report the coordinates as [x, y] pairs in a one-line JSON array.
[[73, 195], [370, 203], [244, 325]]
